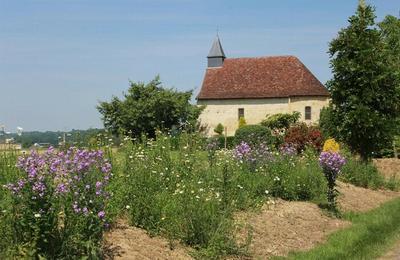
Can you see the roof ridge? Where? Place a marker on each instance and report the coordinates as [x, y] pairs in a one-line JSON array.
[[264, 57]]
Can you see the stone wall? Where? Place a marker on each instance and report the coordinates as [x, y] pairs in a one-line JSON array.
[[225, 111]]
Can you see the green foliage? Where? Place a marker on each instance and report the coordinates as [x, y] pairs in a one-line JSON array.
[[390, 29], [327, 122], [242, 122], [281, 121], [219, 129], [362, 174], [254, 134], [293, 179], [365, 86], [146, 108]]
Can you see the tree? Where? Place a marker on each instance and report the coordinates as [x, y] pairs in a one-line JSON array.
[[242, 122], [148, 107], [364, 91], [390, 28]]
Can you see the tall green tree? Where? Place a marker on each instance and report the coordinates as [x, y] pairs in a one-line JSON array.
[[364, 88], [390, 28], [148, 107]]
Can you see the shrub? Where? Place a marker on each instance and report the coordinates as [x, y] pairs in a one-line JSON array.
[[230, 142], [242, 122], [302, 135], [331, 145], [281, 121], [253, 135], [219, 129]]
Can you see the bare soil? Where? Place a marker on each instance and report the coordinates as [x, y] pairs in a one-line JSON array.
[[284, 226], [389, 167], [130, 243], [393, 253], [352, 198]]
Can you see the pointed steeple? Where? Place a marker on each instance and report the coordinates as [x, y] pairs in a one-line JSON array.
[[216, 55]]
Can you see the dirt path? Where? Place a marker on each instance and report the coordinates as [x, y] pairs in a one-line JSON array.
[[130, 243], [389, 167], [285, 226], [352, 198], [393, 253]]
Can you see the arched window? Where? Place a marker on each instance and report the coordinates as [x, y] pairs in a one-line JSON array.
[[307, 113]]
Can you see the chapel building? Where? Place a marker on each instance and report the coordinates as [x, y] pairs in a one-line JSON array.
[[256, 87]]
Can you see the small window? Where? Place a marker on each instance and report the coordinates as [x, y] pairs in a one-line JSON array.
[[240, 113], [308, 113]]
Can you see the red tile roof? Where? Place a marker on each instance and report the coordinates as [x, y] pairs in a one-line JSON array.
[[264, 77]]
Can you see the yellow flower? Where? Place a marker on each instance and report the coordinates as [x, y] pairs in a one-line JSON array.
[[331, 145]]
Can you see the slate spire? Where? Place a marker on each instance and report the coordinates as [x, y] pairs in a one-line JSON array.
[[216, 55]]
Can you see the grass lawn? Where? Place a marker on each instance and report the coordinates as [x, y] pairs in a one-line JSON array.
[[370, 235]]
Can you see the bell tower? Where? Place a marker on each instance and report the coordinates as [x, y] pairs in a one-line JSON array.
[[216, 56]]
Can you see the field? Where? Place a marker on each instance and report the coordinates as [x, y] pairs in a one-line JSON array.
[[180, 197]]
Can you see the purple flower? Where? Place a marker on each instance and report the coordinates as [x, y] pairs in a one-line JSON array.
[[101, 214], [61, 188], [98, 184], [288, 150], [331, 162], [242, 151]]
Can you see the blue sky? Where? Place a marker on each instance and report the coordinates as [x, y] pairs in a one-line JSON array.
[[58, 58]]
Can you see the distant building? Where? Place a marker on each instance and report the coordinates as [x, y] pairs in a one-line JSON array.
[[254, 87]]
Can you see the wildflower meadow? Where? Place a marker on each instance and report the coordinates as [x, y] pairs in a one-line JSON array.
[[58, 203]]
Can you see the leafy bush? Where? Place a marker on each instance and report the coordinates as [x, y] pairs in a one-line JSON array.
[[253, 135], [301, 135], [219, 129], [281, 121]]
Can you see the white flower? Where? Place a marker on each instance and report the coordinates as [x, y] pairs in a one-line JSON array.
[[130, 157], [266, 192], [127, 207], [37, 215]]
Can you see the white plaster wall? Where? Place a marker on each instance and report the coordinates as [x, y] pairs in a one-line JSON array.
[[255, 110]]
